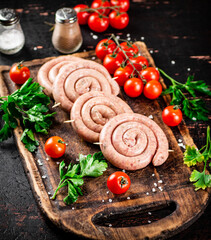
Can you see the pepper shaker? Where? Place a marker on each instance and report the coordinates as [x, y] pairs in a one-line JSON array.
[[66, 36], [11, 35]]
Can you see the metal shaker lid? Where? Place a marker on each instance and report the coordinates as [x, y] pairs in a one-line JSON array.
[[66, 15], [8, 16]]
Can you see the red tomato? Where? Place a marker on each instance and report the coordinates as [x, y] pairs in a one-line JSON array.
[[98, 23], [19, 73], [82, 16], [130, 49], [105, 47], [133, 87], [152, 89], [124, 4], [118, 20], [172, 116], [101, 3], [118, 182], [139, 62], [55, 147], [150, 74], [112, 61], [122, 74]]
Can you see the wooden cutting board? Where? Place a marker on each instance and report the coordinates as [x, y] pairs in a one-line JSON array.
[[144, 211]]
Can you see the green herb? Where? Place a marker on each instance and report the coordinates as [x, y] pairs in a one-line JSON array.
[[26, 106], [192, 156], [88, 166], [193, 108]]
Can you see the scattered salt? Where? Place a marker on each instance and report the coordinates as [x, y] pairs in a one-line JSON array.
[[44, 177], [172, 62], [150, 116], [151, 51], [95, 37], [193, 118], [153, 190], [73, 208], [188, 69], [155, 184], [47, 159], [49, 193], [128, 38], [107, 192], [153, 175], [91, 33], [179, 140], [128, 198], [160, 188], [110, 200], [39, 162], [84, 50], [57, 163], [149, 213], [103, 200], [142, 38], [123, 170], [160, 181], [117, 37], [147, 193], [110, 225], [93, 58], [35, 48], [149, 221], [128, 35]]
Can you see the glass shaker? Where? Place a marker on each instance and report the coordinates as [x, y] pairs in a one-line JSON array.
[[11, 35], [66, 36]]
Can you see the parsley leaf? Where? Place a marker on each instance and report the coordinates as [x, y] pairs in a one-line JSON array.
[[192, 156], [193, 108], [92, 166], [27, 106]]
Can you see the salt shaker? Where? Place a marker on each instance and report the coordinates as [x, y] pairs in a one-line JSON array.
[[66, 36], [11, 35]]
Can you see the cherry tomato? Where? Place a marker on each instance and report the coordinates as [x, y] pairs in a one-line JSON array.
[[130, 49], [172, 116], [152, 89], [122, 74], [101, 3], [98, 23], [133, 87], [55, 147], [118, 20], [19, 73], [150, 74], [118, 182], [124, 4], [82, 16], [112, 61], [104, 47], [139, 62]]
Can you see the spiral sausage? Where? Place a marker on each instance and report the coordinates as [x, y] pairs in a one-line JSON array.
[[132, 141], [78, 78], [43, 73], [92, 110]]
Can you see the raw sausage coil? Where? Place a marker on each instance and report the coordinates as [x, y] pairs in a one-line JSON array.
[[132, 141], [78, 78], [92, 110], [43, 73]]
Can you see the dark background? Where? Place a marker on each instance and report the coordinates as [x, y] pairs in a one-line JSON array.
[[173, 30]]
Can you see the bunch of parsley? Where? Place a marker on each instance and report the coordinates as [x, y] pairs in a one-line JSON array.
[[27, 106], [192, 156], [88, 166], [193, 108]]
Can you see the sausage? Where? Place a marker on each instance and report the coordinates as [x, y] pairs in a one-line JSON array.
[[80, 77], [43, 73], [132, 141], [92, 110]]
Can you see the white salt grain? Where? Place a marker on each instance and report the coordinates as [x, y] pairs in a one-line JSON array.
[[151, 51], [93, 58], [142, 38], [103, 200], [160, 188], [128, 35], [188, 69], [49, 193], [107, 192], [155, 184], [123, 170], [110, 225], [153, 175], [150, 116], [117, 37], [128, 38], [110, 200], [149, 213], [95, 37], [147, 193], [35, 48], [128, 198], [193, 118], [39, 162], [44, 177], [47, 159], [160, 181], [153, 190], [73, 208], [57, 163], [179, 140], [172, 62], [149, 221], [91, 33]]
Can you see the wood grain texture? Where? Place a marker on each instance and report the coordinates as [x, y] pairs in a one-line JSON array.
[[91, 217]]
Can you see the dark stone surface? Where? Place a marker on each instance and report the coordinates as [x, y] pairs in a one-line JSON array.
[[174, 30]]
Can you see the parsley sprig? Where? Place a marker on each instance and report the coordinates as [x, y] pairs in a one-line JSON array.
[[193, 108], [192, 156], [27, 106], [88, 166]]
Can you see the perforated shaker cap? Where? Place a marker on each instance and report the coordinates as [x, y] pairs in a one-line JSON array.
[[8, 16], [66, 15]]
